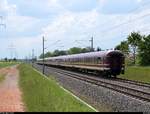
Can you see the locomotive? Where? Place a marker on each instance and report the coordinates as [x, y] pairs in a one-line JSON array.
[[108, 63]]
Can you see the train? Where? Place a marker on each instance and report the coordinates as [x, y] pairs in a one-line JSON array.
[[107, 63]]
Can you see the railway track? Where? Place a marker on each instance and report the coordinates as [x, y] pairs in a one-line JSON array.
[[114, 85], [134, 82]]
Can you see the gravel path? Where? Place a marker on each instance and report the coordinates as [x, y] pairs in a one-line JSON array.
[[10, 94]]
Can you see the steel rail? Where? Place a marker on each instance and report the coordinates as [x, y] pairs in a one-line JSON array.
[[141, 95], [138, 83], [143, 84]]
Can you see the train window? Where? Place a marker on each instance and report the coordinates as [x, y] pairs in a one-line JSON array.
[[78, 60], [99, 59], [92, 60], [85, 60], [88, 60], [95, 60], [82, 60]]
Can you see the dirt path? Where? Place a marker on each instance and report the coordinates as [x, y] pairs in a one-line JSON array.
[[10, 94]]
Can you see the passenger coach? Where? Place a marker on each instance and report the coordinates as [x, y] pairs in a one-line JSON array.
[[108, 63]]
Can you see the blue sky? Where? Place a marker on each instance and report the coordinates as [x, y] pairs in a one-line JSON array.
[[72, 22]]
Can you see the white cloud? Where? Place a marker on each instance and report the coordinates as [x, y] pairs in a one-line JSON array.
[[139, 1], [20, 23], [69, 26], [72, 26], [53, 3], [15, 23], [6, 8]]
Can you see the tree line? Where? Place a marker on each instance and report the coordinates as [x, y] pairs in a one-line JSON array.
[[74, 50], [138, 47]]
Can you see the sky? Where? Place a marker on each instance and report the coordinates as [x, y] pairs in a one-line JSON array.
[[68, 23]]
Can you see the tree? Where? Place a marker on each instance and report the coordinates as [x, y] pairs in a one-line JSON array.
[[86, 50], [59, 53], [124, 47], [56, 53], [99, 49], [144, 51], [48, 54], [6, 59], [134, 40], [63, 52], [14, 59], [74, 50], [41, 56]]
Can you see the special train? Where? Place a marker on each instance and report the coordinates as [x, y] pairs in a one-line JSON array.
[[108, 63]]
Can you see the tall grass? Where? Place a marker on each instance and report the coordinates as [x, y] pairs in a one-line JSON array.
[[42, 95], [137, 73]]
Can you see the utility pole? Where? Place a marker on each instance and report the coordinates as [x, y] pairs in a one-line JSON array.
[[32, 57], [1, 22], [43, 55], [92, 44], [11, 47]]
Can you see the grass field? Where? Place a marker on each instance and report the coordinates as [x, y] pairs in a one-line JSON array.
[[42, 95], [6, 64], [137, 73]]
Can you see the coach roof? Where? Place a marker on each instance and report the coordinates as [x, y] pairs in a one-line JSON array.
[[83, 55]]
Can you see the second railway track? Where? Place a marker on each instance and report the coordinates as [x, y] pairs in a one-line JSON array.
[[127, 90], [134, 82]]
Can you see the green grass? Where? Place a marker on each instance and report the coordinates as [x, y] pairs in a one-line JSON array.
[[6, 64], [42, 95], [137, 73]]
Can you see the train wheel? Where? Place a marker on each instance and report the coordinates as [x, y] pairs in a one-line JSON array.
[[109, 75], [105, 74]]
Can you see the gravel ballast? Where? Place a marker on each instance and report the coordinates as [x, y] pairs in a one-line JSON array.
[[100, 96]]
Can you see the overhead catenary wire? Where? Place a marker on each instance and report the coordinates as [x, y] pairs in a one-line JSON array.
[[116, 26], [129, 21], [79, 42], [54, 45], [111, 29], [131, 11], [56, 42]]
